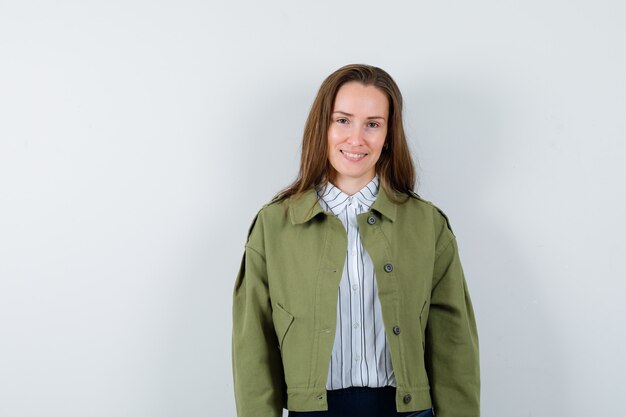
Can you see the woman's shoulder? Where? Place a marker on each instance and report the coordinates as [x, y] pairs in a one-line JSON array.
[[277, 206], [277, 217], [418, 202], [276, 210]]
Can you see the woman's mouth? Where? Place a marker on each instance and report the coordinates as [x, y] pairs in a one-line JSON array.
[[353, 156]]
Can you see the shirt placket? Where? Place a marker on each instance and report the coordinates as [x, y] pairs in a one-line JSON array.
[[356, 290]]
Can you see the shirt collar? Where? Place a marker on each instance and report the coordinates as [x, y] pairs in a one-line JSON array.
[[306, 207], [335, 200]]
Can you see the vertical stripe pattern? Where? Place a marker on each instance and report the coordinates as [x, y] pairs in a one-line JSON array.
[[360, 355]]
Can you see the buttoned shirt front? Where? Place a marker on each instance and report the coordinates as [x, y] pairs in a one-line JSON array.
[[360, 355]]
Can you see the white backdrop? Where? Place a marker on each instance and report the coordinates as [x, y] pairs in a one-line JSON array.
[[139, 138]]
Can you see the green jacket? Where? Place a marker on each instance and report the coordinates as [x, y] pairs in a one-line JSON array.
[[285, 306]]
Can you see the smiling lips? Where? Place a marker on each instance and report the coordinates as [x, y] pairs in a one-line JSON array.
[[353, 156]]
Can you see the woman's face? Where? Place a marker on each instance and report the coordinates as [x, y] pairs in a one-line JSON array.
[[356, 135]]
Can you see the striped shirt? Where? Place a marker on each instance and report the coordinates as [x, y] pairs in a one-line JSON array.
[[360, 355]]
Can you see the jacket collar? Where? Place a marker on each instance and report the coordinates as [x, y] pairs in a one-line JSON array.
[[306, 207], [384, 205]]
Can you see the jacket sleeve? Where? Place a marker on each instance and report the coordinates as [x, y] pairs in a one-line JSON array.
[[257, 367], [451, 345]]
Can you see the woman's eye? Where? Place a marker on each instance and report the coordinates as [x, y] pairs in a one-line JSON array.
[[373, 124], [342, 120]]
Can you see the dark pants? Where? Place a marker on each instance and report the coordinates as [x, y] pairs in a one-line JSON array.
[[361, 402]]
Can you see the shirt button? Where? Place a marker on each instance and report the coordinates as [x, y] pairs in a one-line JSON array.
[[355, 287], [388, 267], [357, 358], [396, 330], [371, 220], [407, 398], [355, 325]]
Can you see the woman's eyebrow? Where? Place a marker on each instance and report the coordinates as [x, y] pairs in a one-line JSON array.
[[350, 115]]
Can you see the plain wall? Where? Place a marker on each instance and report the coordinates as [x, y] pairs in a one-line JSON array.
[[139, 138]]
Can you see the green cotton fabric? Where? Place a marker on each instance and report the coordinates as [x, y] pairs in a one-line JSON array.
[[285, 306]]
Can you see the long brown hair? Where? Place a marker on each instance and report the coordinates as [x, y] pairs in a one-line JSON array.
[[394, 167]]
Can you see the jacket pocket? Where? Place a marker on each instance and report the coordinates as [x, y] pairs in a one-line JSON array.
[[423, 322], [282, 322], [423, 413]]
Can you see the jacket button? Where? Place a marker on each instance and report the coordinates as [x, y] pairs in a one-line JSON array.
[[396, 330], [407, 398], [388, 267], [371, 219]]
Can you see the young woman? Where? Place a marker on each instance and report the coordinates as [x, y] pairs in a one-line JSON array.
[[351, 299]]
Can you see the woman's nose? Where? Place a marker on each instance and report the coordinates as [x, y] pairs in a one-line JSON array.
[[355, 136]]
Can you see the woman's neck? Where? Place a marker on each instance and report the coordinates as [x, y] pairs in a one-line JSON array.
[[351, 186]]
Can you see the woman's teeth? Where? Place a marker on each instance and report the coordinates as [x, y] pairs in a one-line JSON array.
[[353, 155]]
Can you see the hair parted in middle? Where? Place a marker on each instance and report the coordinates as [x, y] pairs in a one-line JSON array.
[[394, 167]]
